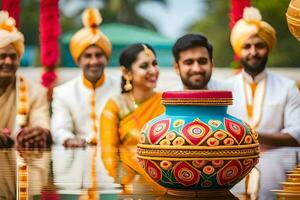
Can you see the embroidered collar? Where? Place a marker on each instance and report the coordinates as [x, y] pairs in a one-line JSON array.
[[257, 78], [89, 85]]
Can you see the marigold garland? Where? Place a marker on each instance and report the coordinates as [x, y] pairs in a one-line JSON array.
[[22, 105]]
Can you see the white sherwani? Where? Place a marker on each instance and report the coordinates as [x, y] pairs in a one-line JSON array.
[[275, 103], [71, 108]]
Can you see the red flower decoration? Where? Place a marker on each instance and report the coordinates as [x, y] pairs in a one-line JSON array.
[[196, 132], [153, 170], [49, 34], [236, 130], [186, 174], [158, 130], [230, 172]]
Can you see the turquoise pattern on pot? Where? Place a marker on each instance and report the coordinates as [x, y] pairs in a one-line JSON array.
[[195, 145]]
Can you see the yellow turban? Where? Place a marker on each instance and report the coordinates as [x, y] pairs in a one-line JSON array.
[[89, 35], [251, 24], [9, 34]]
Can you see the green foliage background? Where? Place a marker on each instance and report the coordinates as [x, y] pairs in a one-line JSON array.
[[215, 25]]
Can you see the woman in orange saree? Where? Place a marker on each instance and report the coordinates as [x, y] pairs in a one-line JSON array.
[[124, 116]]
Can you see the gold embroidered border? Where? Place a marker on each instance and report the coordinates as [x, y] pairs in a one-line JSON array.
[[190, 147], [213, 153], [197, 101], [199, 158]]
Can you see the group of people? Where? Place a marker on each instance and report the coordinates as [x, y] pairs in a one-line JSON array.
[[92, 109]]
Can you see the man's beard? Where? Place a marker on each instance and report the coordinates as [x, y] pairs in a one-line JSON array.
[[254, 69], [200, 85]]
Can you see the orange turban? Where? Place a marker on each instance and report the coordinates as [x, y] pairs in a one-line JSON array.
[[9, 34], [89, 35], [251, 24]]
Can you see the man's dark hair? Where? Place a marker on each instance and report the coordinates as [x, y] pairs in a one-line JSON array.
[[190, 41]]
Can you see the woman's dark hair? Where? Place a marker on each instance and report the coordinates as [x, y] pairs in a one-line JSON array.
[[128, 56], [190, 41]]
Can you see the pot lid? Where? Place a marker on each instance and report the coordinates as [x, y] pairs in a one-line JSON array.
[[197, 97]]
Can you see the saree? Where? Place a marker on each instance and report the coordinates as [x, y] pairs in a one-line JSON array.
[[120, 126]]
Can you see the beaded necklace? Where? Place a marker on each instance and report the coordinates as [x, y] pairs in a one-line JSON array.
[[22, 115], [22, 103]]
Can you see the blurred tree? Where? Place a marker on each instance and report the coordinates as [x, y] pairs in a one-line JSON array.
[[29, 22], [123, 11], [216, 26]]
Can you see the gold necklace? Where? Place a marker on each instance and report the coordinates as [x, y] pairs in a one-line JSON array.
[[135, 105]]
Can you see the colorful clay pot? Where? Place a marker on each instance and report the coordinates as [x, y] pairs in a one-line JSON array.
[[195, 146], [293, 18]]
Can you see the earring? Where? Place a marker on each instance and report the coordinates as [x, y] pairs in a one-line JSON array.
[[127, 86]]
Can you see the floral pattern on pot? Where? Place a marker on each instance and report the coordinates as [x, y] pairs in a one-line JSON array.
[[195, 145], [198, 132], [158, 130], [203, 175]]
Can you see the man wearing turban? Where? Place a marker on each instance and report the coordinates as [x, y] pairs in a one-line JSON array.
[[24, 109], [78, 103], [269, 102]]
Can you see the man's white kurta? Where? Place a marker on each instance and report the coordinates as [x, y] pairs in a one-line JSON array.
[[276, 103], [71, 108]]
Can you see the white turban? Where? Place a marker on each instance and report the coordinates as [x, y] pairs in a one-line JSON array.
[[251, 24], [9, 34]]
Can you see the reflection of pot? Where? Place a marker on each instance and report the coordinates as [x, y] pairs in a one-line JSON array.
[[290, 186], [196, 146], [295, 178], [293, 18]]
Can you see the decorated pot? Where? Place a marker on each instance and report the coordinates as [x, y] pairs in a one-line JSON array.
[[195, 146], [293, 18]]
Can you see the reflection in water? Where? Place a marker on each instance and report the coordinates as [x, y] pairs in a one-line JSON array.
[[271, 171], [273, 166], [72, 169], [22, 181], [80, 174], [7, 174], [92, 193], [23, 174]]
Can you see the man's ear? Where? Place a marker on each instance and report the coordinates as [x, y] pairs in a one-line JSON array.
[[176, 67], [213, 64]]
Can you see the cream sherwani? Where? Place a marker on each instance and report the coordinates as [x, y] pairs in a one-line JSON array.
[[71, 108], [275, 103], [38, 107]]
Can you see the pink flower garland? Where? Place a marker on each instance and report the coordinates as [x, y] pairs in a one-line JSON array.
[[13, 8], [49, 34]]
